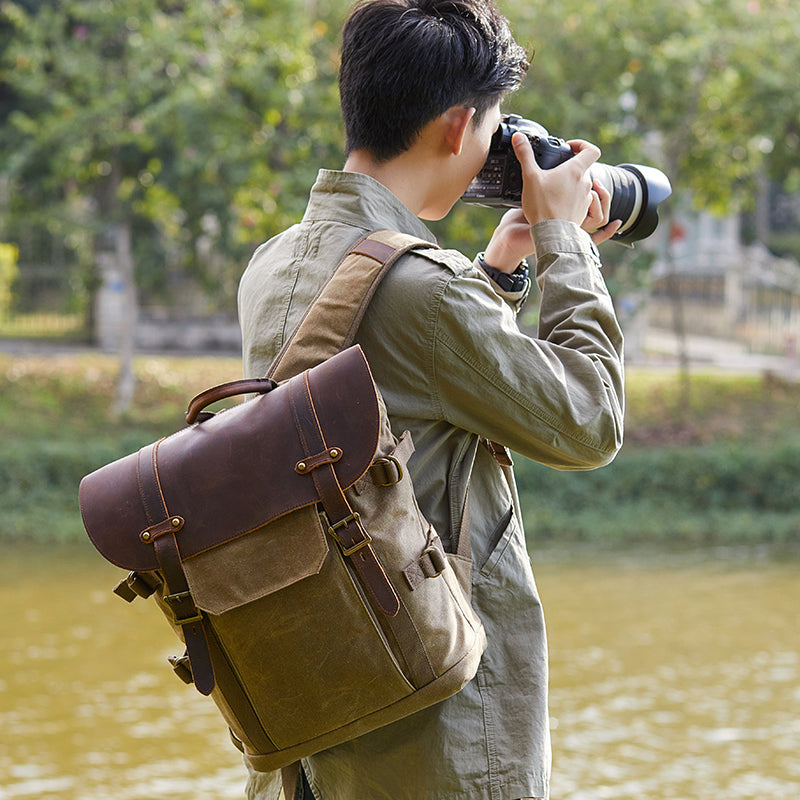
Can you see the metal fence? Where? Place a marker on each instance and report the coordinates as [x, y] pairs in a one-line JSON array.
[[45, 301]]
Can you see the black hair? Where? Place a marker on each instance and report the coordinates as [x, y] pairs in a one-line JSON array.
[[405, 62]]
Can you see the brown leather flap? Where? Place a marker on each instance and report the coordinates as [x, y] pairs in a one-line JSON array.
[[237, 471]]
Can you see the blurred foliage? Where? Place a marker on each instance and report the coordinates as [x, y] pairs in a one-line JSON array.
[[718, 493], [700, 88], [726, 474], [730, 477], [56, 426], [202, 124]]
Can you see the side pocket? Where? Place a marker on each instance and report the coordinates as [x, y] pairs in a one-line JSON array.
[[497, 543]]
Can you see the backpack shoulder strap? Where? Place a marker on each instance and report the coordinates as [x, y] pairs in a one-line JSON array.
[[331, 321]]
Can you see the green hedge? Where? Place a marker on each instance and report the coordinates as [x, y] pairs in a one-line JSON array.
[[39, 499], [726, 493], [720, 493], [740, 487]]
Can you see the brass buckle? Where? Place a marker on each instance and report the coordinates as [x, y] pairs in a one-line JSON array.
[[390, 460], [343, 523], [179, 597], [438, 559], [189, 620]]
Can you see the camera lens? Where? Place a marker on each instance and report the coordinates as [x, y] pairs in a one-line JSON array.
[[635, 192], [625, 191]]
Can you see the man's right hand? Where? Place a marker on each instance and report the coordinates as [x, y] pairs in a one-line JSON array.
[[564, 192]]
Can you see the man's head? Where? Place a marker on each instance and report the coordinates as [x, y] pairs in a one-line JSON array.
[[406, 62]]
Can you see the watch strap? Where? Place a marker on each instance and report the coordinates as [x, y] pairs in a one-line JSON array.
[[515, 281]]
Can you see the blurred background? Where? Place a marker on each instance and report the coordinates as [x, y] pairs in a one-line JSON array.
[[147, 147]]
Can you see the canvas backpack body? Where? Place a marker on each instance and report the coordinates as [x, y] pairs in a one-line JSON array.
[[282, 540]]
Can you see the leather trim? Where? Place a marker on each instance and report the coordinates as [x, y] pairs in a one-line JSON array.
[[345, 525], [235, 472]]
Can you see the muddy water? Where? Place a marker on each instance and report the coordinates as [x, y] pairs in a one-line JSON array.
[[669, 680], [678, 681]]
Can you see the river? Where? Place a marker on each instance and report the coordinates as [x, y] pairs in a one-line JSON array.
[[673, 678]]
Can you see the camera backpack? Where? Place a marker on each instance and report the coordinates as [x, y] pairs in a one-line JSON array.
[[282, 540]]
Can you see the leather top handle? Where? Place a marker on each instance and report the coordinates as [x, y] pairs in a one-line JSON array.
[[209, 396]]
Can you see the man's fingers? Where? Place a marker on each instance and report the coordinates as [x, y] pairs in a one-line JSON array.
[[524, 152], [586, 153], [604, 234]]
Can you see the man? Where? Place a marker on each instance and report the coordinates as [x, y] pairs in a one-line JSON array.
[[421, 83]]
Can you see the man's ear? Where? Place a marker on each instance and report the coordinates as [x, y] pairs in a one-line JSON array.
[[456, 119]]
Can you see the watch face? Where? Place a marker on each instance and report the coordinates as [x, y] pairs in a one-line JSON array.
[[515, 282]]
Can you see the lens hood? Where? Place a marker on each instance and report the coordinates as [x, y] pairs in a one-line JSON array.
[[655, 187]]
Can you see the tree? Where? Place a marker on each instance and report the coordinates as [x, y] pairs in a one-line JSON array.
[[198, 127], [703, 89], [714, 79], [163, 130]]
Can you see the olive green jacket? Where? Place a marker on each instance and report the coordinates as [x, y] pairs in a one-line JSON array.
[[456, 371]]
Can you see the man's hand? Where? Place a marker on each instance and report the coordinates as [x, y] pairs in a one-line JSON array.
[[510, 242], [596, 222], [564, 192]]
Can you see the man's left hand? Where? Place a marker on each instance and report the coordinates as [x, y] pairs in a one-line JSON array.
[[596, 222]]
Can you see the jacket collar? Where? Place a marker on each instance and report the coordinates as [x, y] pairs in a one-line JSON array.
[[360, 200]]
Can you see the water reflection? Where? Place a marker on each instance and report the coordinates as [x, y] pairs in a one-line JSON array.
[[89, 708], [675, 681], [668, 681]]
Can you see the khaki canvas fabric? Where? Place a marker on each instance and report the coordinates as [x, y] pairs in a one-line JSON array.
[[455, 370]]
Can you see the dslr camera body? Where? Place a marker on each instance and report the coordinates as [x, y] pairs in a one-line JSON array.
[[635, 190]]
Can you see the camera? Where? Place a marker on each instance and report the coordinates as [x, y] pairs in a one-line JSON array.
[[635, 190]]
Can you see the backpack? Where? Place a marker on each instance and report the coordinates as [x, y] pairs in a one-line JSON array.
[[282, 540]]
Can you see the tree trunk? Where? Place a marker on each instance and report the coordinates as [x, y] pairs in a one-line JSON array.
[[678, 321], [762, 209], [126, 383]]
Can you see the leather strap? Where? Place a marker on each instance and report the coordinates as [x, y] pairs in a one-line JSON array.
[[330, 324], [247, 386], [354, 540], [344, 524], [162, 533], [289, 778]]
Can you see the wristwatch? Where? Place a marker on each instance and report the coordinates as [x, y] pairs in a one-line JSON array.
[[508, 281]]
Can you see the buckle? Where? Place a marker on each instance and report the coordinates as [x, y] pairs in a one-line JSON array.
[[344, 523], [198, 617], [178, 597], [182, 667], [182, 597], [437, 558], [391, 469], [133, 585]]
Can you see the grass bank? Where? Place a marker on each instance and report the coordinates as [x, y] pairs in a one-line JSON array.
[[56, 426], [722, 471]]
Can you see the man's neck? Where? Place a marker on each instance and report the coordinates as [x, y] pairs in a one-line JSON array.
[[411, 179]]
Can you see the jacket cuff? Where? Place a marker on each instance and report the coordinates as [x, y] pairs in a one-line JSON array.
[[560, 236]]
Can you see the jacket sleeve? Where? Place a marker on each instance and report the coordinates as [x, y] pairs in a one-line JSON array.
[[557, 398]]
